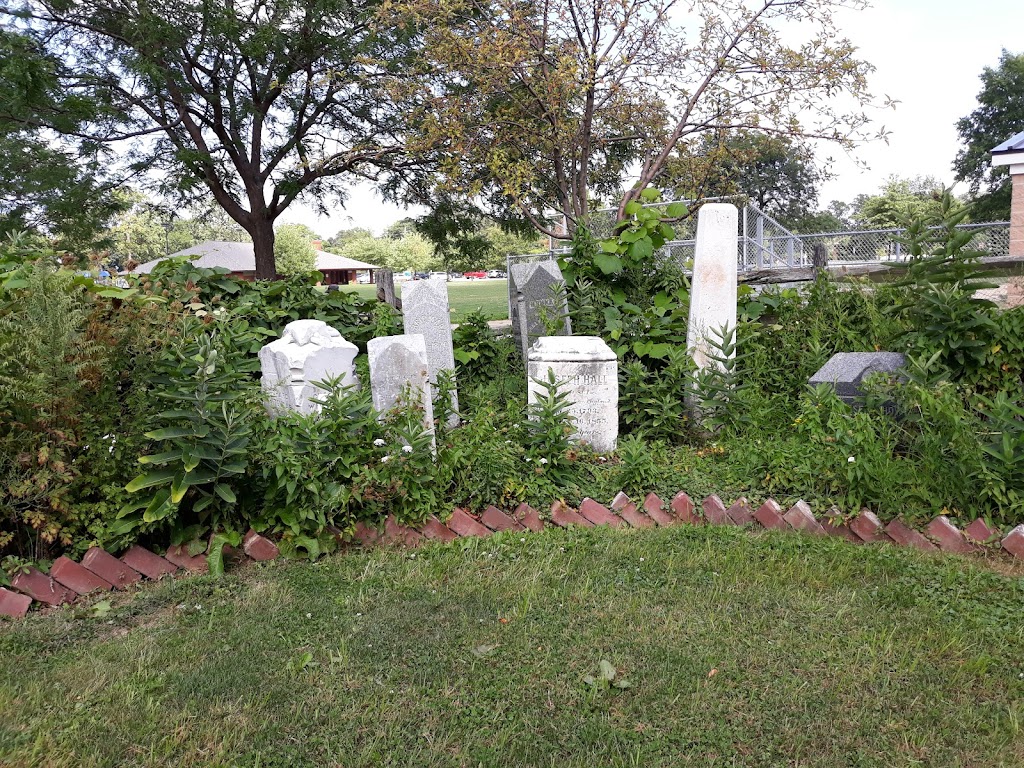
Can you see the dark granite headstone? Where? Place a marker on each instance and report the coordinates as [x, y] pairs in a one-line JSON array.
[[846, 372], [536, 290]]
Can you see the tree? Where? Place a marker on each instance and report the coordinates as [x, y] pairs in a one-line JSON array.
[[337, 243], [504, 244], [256, 103], [137, 234], [777, 173], [999, 116], [531, 109], [293, 250], [900, 200], [44, 186]]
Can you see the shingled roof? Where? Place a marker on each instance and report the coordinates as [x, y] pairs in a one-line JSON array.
[[241, 257]]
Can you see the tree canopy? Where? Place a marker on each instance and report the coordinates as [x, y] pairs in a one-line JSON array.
[[899, 200], [256, 103], [999, 116], [45, 185], [532, 109], [294, 250], [777, 173]]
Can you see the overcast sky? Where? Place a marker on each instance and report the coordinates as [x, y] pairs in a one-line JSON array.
[[929, 55]]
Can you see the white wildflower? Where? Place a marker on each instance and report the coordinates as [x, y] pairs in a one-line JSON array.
[[406, 449], [379, 442], [384, 459], [850, 460], [543, 461]]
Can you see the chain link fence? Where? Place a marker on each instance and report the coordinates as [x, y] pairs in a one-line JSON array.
[[763, 243]]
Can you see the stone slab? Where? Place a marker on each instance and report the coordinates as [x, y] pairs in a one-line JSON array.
[[308, 351], [400, 374], [846, 372], [586, 371], [425, 311], [713, 283], [535, 289], [77, 578]]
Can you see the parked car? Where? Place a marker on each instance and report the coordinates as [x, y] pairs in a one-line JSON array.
[[421, 276], [363, 279], [475, 275], [496, 273]]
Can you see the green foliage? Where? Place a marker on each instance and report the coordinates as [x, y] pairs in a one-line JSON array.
[[625, 290], [980, 346], [999, 116], [313, 468], [293, 250], [720, 390], [202, 439], [777, 173]]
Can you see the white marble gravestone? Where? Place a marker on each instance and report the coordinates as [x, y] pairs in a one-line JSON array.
[[713, 287], [588, 372], [398, 364], [425, 312], [536, 289], [307, 352]]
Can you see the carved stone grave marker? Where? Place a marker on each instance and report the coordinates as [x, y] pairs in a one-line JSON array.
[[587, 370], [308, 351], [425, 312], [536, 291]]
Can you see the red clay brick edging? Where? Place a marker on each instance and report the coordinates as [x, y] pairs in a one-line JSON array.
[[99, 570]]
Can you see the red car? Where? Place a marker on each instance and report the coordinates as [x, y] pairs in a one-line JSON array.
[[477, 275]]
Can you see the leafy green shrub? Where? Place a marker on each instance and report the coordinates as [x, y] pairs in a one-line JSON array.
[[202, 439]]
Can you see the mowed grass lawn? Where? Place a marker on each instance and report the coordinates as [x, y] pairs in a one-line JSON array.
[[739, 649], [464, 296]]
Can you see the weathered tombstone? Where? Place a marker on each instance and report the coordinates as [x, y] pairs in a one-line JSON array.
[[398, 364], [425, 312], [536, 292], [307, 352], [588, 372], [713, 287], [386, 288], [846, 372]]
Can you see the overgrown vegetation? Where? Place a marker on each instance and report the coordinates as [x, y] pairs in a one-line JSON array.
[[96, 379]]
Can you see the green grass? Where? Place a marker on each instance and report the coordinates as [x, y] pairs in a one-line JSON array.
[[741, 649], [489, 296]]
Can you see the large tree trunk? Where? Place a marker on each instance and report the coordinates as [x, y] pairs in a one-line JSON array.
[[262, 233]]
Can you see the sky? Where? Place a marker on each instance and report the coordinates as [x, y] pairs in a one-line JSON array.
[[928, 54]]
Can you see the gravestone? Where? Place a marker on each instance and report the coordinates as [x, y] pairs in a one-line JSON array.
[[713, 286], [536, 290], [425, 311], [398, 364], [588, 372], [846, 372], [308, 351]]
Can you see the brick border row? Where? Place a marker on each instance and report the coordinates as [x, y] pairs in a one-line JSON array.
[[101, 571]]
